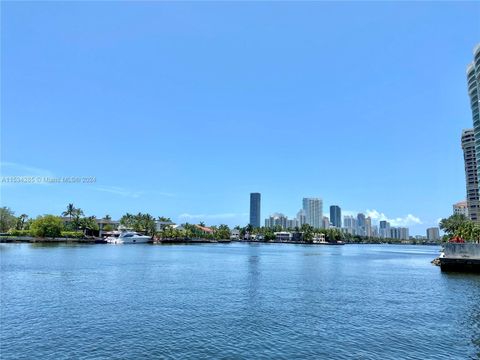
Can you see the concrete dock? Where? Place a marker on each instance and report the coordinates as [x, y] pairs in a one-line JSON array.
[[460, 257]]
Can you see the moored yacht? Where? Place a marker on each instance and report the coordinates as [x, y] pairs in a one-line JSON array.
[[129, 237]]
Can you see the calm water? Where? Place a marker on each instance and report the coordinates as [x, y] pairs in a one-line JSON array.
[[234, 301]]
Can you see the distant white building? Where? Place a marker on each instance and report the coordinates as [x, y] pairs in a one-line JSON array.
[[276, 219], [301, 218], [292, 223], [313, 208], [460, 208], [399, 233], [368, 227], [433, 234], [326, 222], [350, 224], [235, 234]]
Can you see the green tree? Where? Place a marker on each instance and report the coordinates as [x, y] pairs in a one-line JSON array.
[[308, 232], [222, 232], [459, 226], [47, 226], [452, 224], [21, 221], [140, 222], [70, 212], [148, 224], [127, 220], [88, 223], [7, 219]]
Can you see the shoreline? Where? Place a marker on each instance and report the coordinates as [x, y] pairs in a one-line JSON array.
[[29, 239]]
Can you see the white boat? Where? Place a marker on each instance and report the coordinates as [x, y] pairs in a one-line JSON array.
[[128, 237]]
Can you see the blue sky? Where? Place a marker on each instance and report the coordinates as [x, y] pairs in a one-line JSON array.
[[183, 109]]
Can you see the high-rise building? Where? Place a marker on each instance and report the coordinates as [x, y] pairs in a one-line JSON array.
[[473, 84], [433, 234], [404, 233], [368, 227], [384, 231], [461, 208], [313, 208], [325, 222], [301, 218], [399, 233], [276, 219], [336, 216], [255, 199], [350, 224], [471, 176], [292, 223], [361, 224]]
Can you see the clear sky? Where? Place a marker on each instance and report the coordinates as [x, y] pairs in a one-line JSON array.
[[183, 109]]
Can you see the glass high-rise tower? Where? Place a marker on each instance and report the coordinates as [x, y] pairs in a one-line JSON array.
[[336, 216], [473, 83], [255, 200]]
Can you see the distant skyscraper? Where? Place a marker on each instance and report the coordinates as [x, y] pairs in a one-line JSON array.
[[384, 231], [399, 233], [325, 222], [255, 209], [350, 224], [473, 84], [276, 219], [336, 216], [301, 218], [433, 234], [292, 223], [471, 177], [361, 224], [313, 208], [368, 227]]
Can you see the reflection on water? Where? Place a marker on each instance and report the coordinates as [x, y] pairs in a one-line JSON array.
[[234, 301]]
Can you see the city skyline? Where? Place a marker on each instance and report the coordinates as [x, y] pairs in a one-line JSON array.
[[201, 103]]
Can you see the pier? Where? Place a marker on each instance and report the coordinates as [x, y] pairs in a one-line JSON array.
[[460, 257]]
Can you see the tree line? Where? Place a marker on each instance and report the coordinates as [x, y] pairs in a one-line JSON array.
[[460, 227]]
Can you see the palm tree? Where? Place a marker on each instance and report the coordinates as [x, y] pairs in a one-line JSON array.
[[70, 211], [107, 217], [79, 212], [201, 223], [21, 221]]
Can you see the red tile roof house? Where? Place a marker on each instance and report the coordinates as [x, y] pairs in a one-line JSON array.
[[205, 230]]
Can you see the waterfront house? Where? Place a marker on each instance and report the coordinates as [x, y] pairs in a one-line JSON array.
[[283, 236], [235, 234], [205, 230]]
